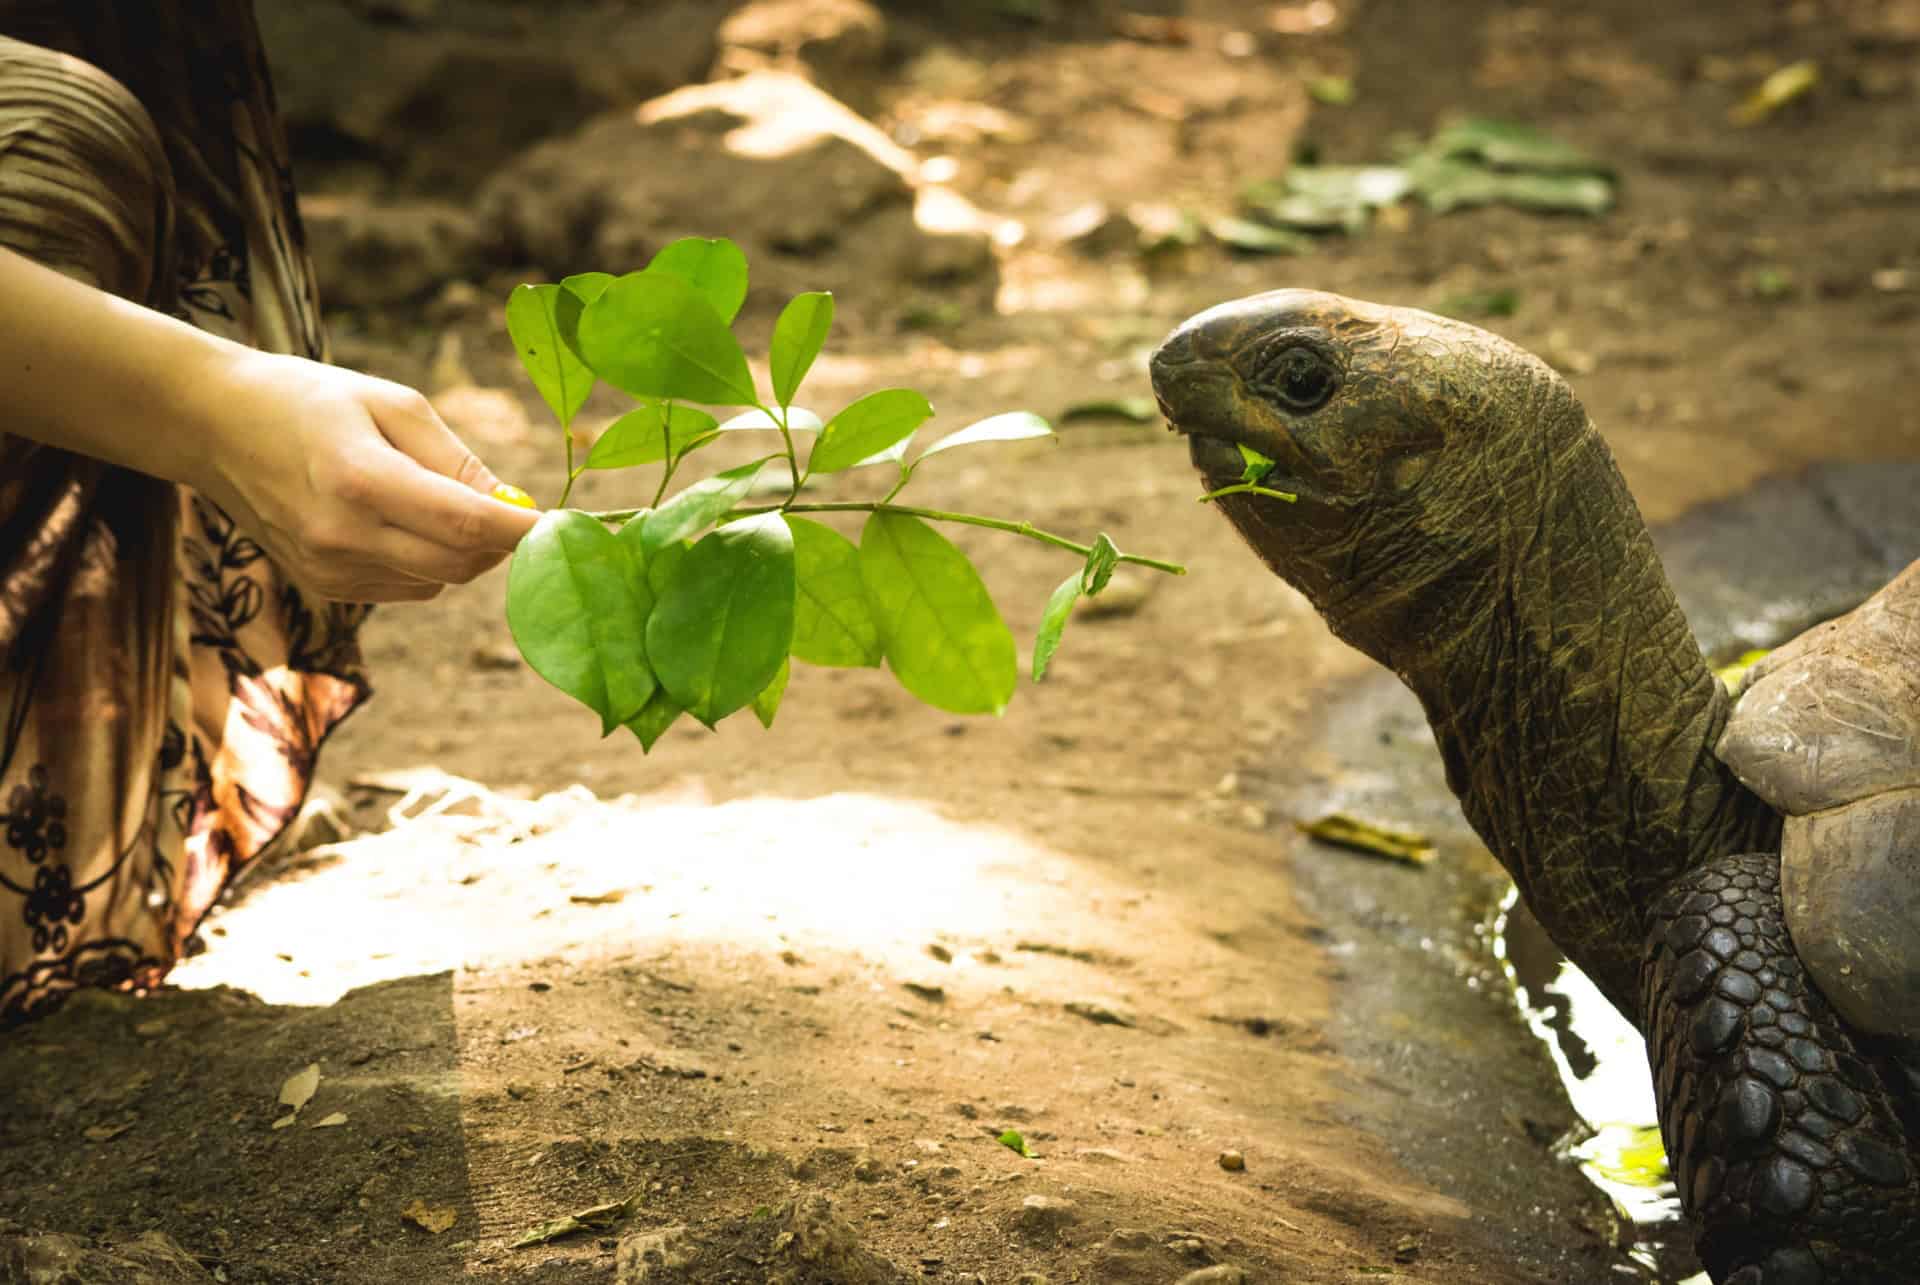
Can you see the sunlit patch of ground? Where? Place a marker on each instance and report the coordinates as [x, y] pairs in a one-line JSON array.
[[477, 880]]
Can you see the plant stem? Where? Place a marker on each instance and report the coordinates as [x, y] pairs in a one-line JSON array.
[[572, 473], [667, 462], [793, 456], [1026, 529], [1248, 488]]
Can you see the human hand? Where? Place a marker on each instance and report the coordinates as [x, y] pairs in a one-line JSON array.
[[354, 485]]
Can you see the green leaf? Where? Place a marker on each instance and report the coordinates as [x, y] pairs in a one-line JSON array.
[[651, 723], [799, 420], [700, 505], [892, 455], [587, 286], [797, 339], [1511, 145], [641, 585], [1100, 564], [713, 266], [1136, 410], [663, 561], [575, 615], [1257, 238], [767, 703], [532, 324], [833, 620], [642, 436], [1054, 623], [1445, 185], [576, 292], [870, 425], [724, 626], [943, 637], [1257, 465], [1011, 427], [655, 335], [1013, 1140], [1334, 91]]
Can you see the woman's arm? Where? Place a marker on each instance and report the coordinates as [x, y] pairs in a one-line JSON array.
[[353, 484]]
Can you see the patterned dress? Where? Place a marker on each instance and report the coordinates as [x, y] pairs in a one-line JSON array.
[[164, 690]]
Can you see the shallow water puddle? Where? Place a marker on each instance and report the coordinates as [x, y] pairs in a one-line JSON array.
[[1602, 1063]]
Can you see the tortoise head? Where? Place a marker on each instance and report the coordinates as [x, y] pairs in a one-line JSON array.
[[1421, 449]]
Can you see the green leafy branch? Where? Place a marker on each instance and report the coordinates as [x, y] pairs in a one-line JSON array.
[[697, 603]]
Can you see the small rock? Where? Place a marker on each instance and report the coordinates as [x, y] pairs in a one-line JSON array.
[[1103, 1156], [1033, 1278], [1233, 1162], [1099, 1014], [151, 1259], [1130, 1240], [928, 991], [495, 656], [519, 1091], [1220, 1274], [1043, 1218], [649, 1255], [1406, 1249], [869, 1170], [940, 952]]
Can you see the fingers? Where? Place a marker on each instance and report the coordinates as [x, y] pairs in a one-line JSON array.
[[447, 497], [396, 549]]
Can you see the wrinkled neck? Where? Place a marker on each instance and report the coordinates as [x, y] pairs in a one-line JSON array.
[[1576, 715]]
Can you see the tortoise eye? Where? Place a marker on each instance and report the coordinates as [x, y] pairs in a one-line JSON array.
[[1300, 379]]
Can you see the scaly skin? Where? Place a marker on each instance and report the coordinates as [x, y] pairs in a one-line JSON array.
[[1461, 521]]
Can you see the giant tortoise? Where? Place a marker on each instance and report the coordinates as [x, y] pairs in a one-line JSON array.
[[1459, 519]]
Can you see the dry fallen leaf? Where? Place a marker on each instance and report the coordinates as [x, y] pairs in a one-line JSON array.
[[435, 1219], [104, 1132], [299, 1089], [329, 1121], [297, 1092], [1356, 835], [611, 897], [598, 1218], [1791, 82]]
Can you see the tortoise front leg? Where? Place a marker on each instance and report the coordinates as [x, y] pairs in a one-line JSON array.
[[1794, 1141]]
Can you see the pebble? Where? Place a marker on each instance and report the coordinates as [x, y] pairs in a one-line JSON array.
[[1103, 1156], [1220, 1274], [1233, 1162], [1045, 1217]]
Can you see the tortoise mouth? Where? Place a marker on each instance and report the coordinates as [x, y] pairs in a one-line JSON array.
[[1220, 464]]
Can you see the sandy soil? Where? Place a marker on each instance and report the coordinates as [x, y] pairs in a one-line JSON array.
[[843, 956]]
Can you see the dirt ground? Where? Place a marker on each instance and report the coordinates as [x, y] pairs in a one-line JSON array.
[[841, 957]]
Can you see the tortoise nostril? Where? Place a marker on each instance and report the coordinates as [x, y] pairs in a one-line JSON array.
[[1177, 350]]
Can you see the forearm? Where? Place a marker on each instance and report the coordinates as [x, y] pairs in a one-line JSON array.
[[96, 374]]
